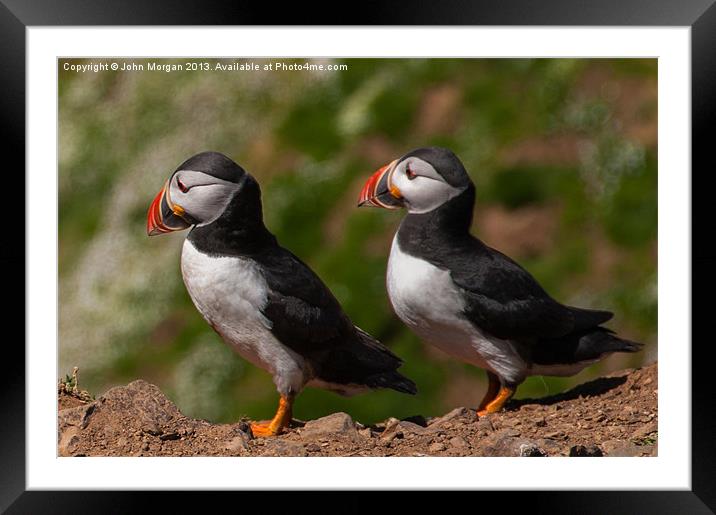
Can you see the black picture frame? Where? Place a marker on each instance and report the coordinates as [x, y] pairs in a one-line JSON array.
[[700, 16]]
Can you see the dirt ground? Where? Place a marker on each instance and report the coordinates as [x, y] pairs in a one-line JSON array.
[[614, 415]]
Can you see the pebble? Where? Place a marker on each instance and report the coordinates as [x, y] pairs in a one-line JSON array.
[[585, 451], [485, 424], [530, 450], [436, 447], [459, 442], [365, 433], [238, 443], [335, 425]]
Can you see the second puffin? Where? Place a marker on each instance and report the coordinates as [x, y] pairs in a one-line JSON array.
[[261, 299], [468, 299]]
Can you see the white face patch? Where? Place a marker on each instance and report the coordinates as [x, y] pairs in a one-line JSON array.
[[202, 196], [421, 186]]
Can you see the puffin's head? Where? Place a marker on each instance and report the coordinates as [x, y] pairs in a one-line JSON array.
[[421, 181], [197, 193]]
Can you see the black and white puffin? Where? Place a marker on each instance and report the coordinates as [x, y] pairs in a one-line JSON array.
[[261, 299], [468, 299]]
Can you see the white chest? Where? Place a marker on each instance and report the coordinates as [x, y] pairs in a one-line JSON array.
[[421, 293], [230, 293], [427, 300]]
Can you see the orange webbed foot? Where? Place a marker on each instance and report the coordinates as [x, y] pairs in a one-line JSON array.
[[498, 402], [280, 421], [264, 430]]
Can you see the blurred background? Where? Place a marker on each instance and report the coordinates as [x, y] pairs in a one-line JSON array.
[[562, 152]]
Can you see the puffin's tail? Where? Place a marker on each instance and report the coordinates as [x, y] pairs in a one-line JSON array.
[[384, 359], [602, 341], [394, 380], [588, 345]]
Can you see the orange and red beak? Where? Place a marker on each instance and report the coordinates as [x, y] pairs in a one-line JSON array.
[[164, 217], [379, 190]]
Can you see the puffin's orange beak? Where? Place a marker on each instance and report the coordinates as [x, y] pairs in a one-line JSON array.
[[379, 191], [163, 216]]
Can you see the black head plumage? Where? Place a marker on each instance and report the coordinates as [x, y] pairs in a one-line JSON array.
[[215, 164], [445, 162]]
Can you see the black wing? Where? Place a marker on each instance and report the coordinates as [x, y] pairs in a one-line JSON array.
[[307, 318], [507, 302], [304, 314]]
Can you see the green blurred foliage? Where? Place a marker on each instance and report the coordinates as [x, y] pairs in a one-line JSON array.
[[562, 151]]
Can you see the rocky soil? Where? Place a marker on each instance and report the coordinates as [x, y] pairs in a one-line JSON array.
[[614, 415]]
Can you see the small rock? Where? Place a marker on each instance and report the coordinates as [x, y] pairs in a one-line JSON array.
[[556, 435], [366, 433], [550, 447], [530, 450], [68, 443], [389, 436], [335, 425], [585, 451], [456, 413], [541, 422], [458, 442], [388, 423], [75, 417], [238, 444], [485, 424], [505, 442], [436, 447], [313, 447], [403, 429], [417, 419], [510, 422]]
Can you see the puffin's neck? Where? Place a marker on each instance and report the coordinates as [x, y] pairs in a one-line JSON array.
[[240, 230], [448, 223]]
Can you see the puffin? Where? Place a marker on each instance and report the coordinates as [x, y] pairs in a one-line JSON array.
[[263, 301], [468, 299]]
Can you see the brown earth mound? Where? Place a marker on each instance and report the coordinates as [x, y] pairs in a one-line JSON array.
[[614, 415]]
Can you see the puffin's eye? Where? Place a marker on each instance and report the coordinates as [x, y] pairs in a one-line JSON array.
[[410, 174], [182, 186]]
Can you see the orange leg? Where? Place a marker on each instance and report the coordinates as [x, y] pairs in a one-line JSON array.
[[498, 402], [492, 388], [278, 423]]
